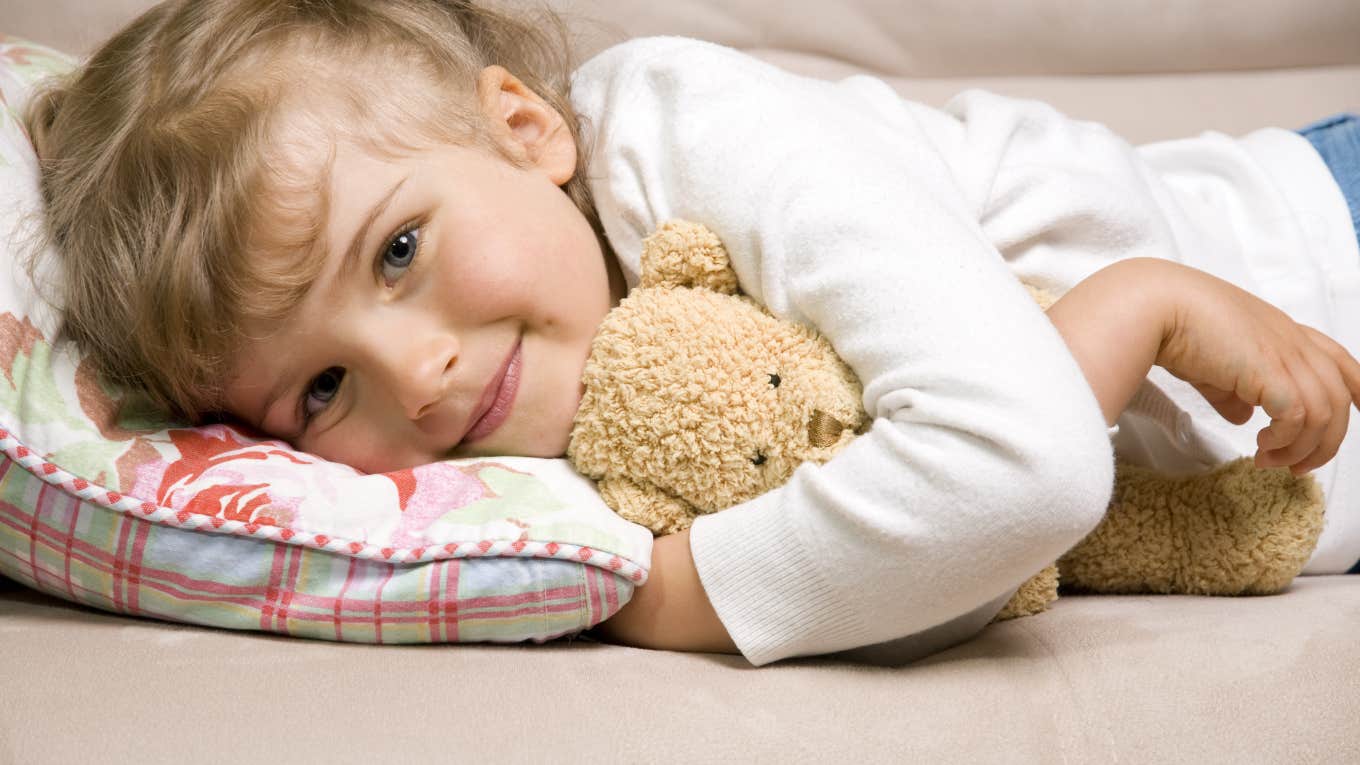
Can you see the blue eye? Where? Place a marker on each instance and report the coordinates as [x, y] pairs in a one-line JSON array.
[[321, 389], [399, 254]]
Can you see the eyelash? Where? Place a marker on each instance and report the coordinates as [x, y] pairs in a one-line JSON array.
[[414, 226], [411, 227]]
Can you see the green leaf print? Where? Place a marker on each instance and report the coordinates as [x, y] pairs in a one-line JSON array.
[[41, 401], [517, 496], [527, 501]]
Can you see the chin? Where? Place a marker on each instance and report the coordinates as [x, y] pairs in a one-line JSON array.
[[549, 448], [551, 443], [537, 444]]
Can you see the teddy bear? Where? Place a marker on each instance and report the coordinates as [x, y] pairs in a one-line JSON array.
[[677, 420]]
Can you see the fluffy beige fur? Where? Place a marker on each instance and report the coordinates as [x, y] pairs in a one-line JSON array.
[[698, 399]]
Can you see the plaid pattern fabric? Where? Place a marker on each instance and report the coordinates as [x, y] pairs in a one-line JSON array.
[[76, 550]]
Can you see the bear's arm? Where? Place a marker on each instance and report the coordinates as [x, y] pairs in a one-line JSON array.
[[646, 505]]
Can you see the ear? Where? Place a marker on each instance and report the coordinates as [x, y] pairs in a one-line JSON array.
[[646, 505], [685, 254], [524, 124]]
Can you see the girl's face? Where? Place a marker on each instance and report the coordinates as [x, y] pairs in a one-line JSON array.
[[455, 309]]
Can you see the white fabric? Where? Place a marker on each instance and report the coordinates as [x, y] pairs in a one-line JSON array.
[[898, 230]]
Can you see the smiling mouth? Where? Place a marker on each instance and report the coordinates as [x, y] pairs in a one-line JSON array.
[[498, 399]]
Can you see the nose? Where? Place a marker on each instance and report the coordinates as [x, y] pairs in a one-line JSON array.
[[416, 367], [824, 430]]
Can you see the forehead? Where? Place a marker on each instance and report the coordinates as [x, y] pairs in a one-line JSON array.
[[315, 161], [388, 102], [317, 192], [318, 142], [384, 101]]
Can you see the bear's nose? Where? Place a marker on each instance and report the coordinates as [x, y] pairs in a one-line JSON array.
[[824, 430]]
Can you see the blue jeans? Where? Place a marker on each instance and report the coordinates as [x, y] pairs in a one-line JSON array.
[[1337, 139]]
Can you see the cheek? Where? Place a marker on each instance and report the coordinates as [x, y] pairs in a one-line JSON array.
[[481, 278], [367, 450]]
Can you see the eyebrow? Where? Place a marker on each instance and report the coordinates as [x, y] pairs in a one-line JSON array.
[[356, 245]]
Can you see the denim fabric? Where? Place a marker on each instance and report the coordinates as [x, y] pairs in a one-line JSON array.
[[1337, 139]]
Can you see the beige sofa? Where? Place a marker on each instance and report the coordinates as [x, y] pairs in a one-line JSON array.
[[1097, 679]]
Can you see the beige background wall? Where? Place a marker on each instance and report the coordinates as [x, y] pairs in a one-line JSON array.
[[1150, 68]]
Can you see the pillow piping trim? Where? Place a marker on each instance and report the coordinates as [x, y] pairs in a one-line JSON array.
[[108, 499]]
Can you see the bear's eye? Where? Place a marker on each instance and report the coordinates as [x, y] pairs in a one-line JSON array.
[[759, 459], [774, 381]]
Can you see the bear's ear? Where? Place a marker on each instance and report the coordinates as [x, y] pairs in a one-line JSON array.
[[684, 254], [646, 505]]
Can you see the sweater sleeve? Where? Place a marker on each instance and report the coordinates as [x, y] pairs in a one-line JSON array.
[[988, 456]]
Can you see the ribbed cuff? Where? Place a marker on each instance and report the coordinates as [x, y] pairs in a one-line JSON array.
[[764, 583]]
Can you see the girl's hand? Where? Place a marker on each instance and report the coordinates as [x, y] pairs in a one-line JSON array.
[[1241, 352]]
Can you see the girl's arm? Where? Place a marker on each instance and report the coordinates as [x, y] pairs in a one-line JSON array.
[[1113, 323], [671, 612], [1238, 350]]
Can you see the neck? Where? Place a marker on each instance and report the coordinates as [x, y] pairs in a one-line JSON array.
[[618, 286]]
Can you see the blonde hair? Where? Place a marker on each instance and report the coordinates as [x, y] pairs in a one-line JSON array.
[[157, 163]]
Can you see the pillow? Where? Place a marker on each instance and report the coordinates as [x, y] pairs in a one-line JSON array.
[[109, 507]]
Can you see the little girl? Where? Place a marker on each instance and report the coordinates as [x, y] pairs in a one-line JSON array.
[[387, 230]]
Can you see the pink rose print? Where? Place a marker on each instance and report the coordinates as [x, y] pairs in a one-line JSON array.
[[427, 492], [17, 336], [224, 473], [209, 477], [18, 55]]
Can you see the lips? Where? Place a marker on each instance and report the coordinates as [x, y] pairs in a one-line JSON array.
[[497, 400]]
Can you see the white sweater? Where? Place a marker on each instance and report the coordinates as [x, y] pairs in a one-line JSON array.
[[898, 231]]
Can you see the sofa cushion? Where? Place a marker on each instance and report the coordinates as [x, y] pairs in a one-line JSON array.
[[1098, 679]]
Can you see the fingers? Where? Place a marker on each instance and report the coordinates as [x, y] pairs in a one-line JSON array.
[[1306, 432], [1329, 444], [1346, 364], [1299, 408], [1226, 403], [1342, 390]]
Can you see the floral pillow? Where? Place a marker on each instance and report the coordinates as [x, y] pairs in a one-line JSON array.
[[107, 506]]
